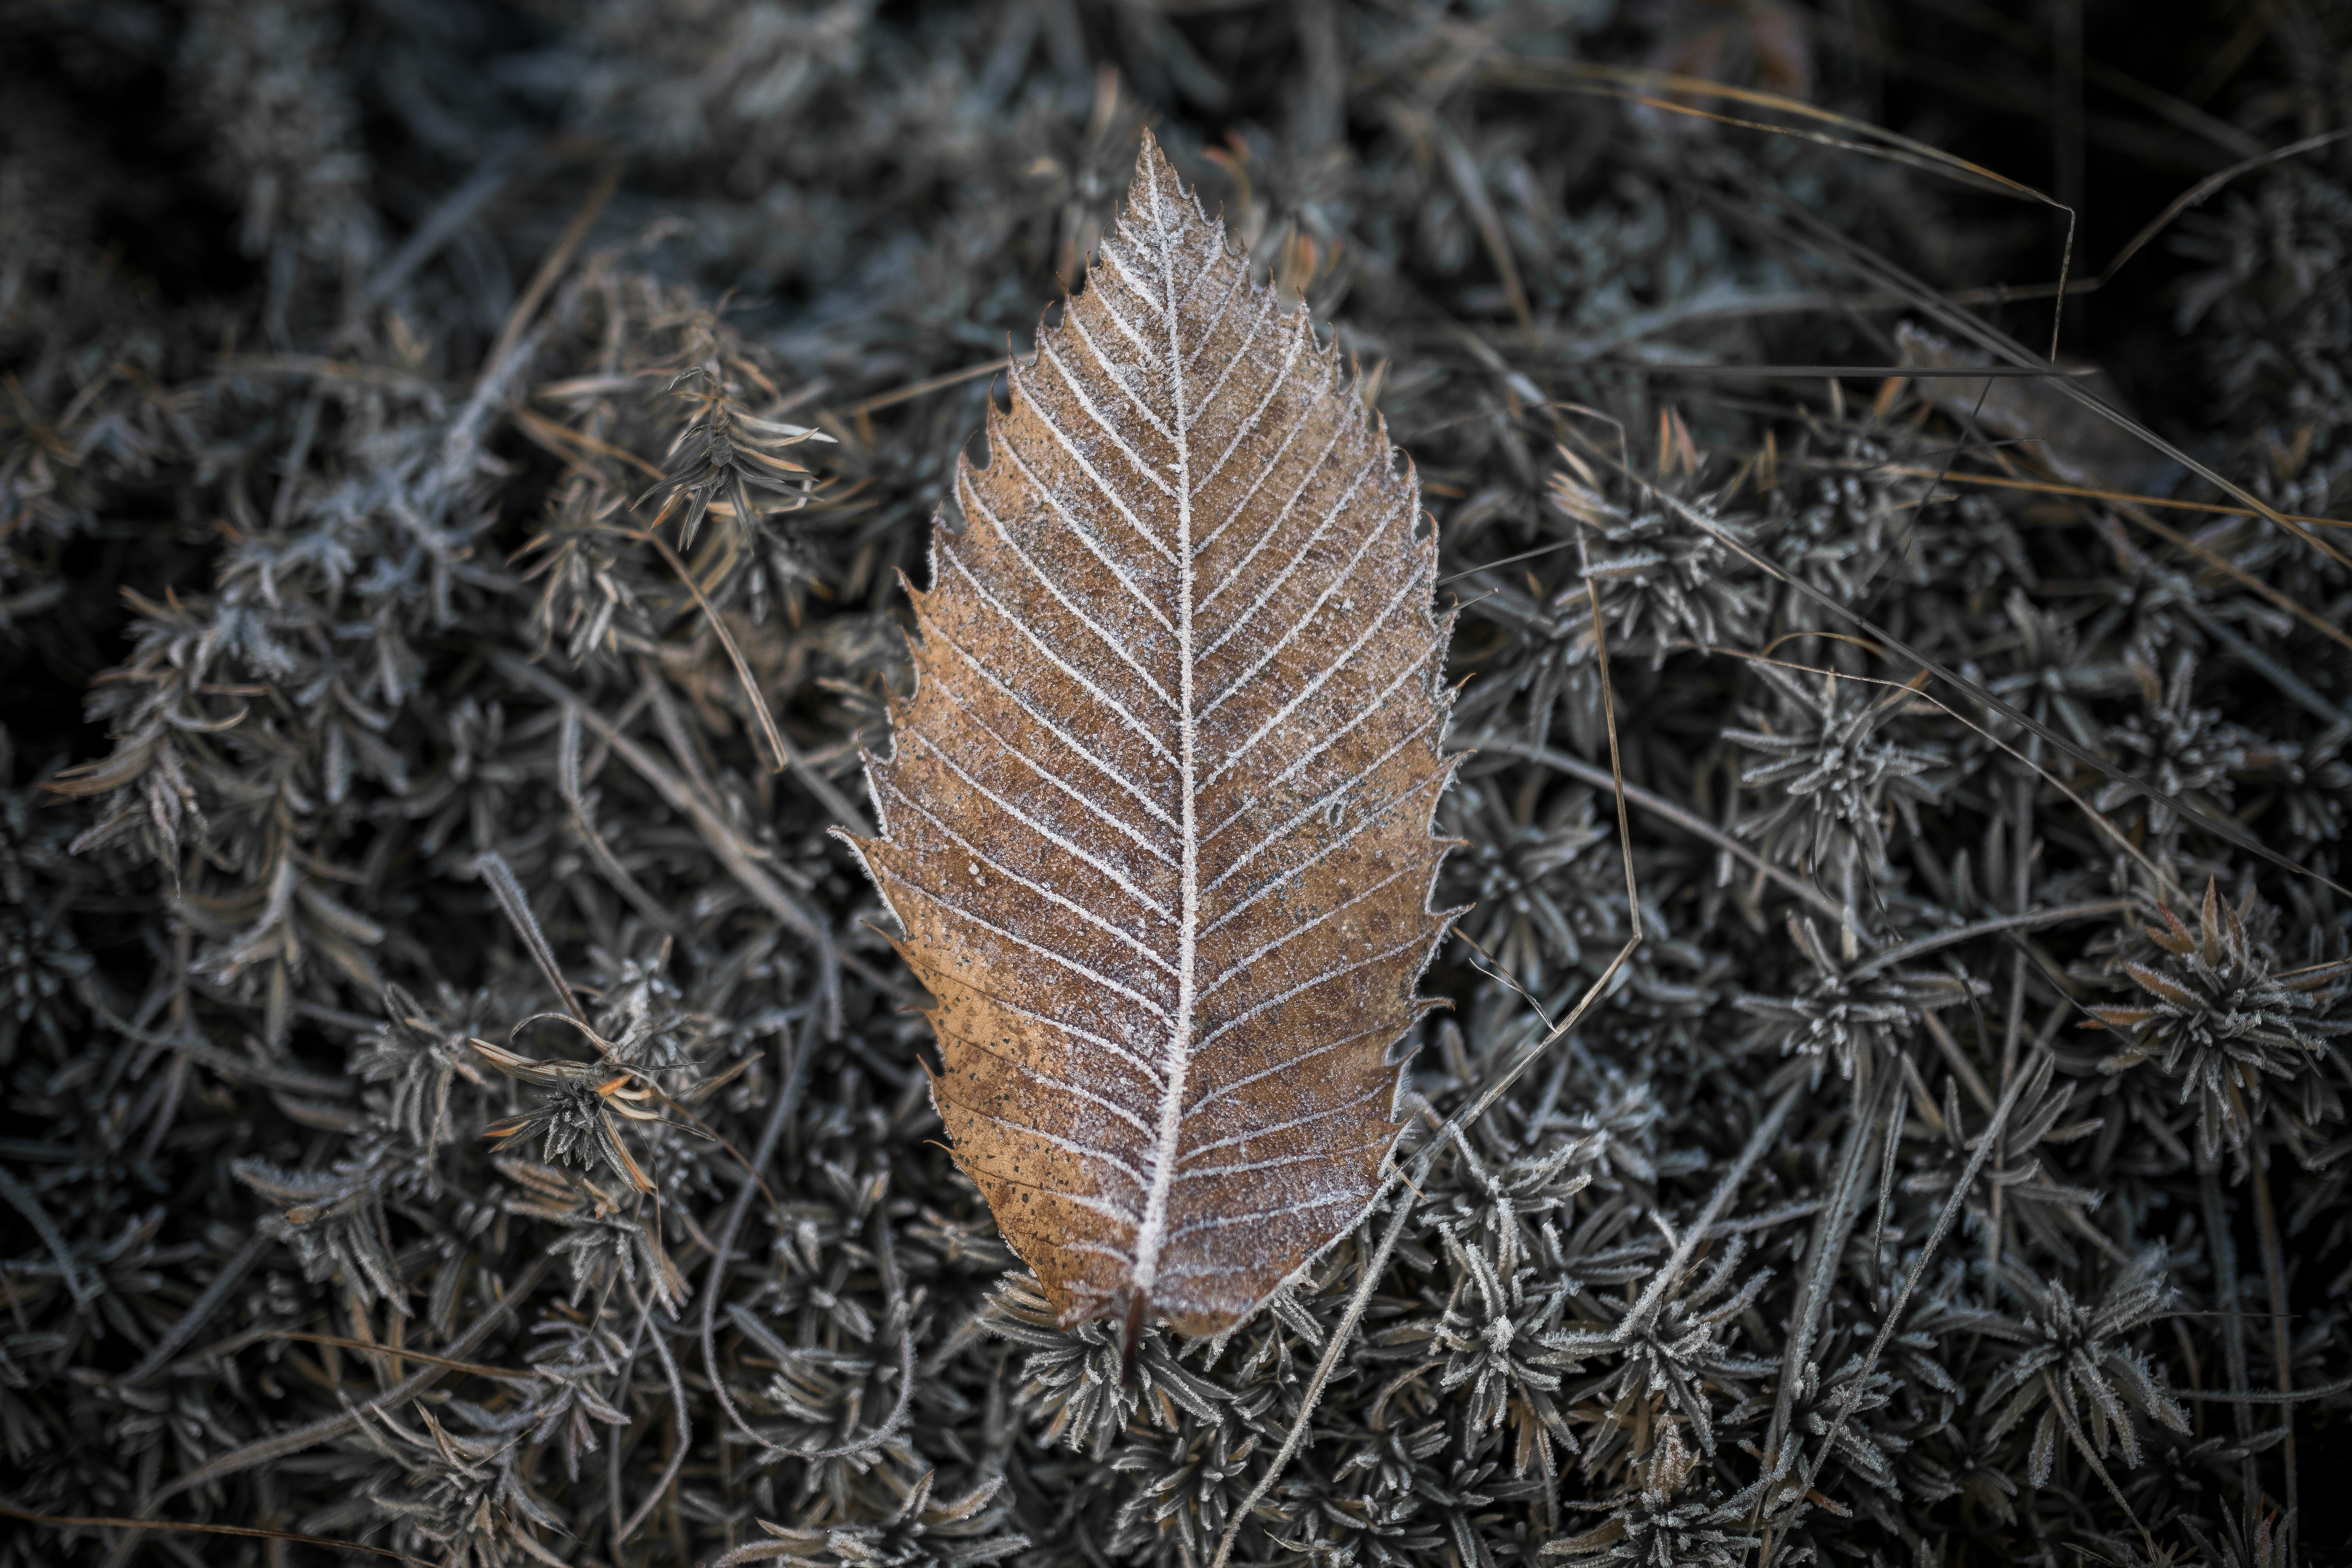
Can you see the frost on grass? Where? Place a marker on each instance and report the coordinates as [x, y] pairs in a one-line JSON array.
[[462, 1102]]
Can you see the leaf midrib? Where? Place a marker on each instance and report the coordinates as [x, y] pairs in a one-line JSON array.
[[1153, 1230]]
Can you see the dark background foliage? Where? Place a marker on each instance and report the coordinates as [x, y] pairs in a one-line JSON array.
[[456, 461]]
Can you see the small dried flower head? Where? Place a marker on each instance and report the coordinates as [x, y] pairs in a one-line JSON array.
[[1943, 1150], [1663, 575], [1503, 1206], [1830, 530], [459, 1492], [419, 1051], [1186, 1484], [607, 1240], [334, 1221], [1828, 778], [1498, 1338], [2075, 1370], [2049, 675], [1664, 581], [1622, 1122], [1078, 1378], [2224, 1023], [1855, 1015], [923, 1532], [2316, 796], [1673, 1521], [578, 1365], [2191, 753], [41, 966], [574, 1122], [588, 594], [1403, 1495], [1538, 891], [1855, 1410], [724, 455], [1673, 1343], [641, 1011]]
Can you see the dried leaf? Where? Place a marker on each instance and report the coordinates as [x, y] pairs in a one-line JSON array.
[[2078, 445], [1157, 815]]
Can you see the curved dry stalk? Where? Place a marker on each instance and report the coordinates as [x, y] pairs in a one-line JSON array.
[[1879, 269], [250, 1531], [232, 1274], [1824, 1250], [2081, 1442], [1658, 805], [2266, 1232], [331, 1426], [685, 1428], [787, 1092], [1982, 1151], [738, 858], [2052, 488], [2031, 921]]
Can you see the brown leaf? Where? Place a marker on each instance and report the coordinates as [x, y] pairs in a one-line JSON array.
[[1157, 818]]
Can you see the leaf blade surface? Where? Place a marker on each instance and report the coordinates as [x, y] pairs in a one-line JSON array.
[[1156, 819]]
